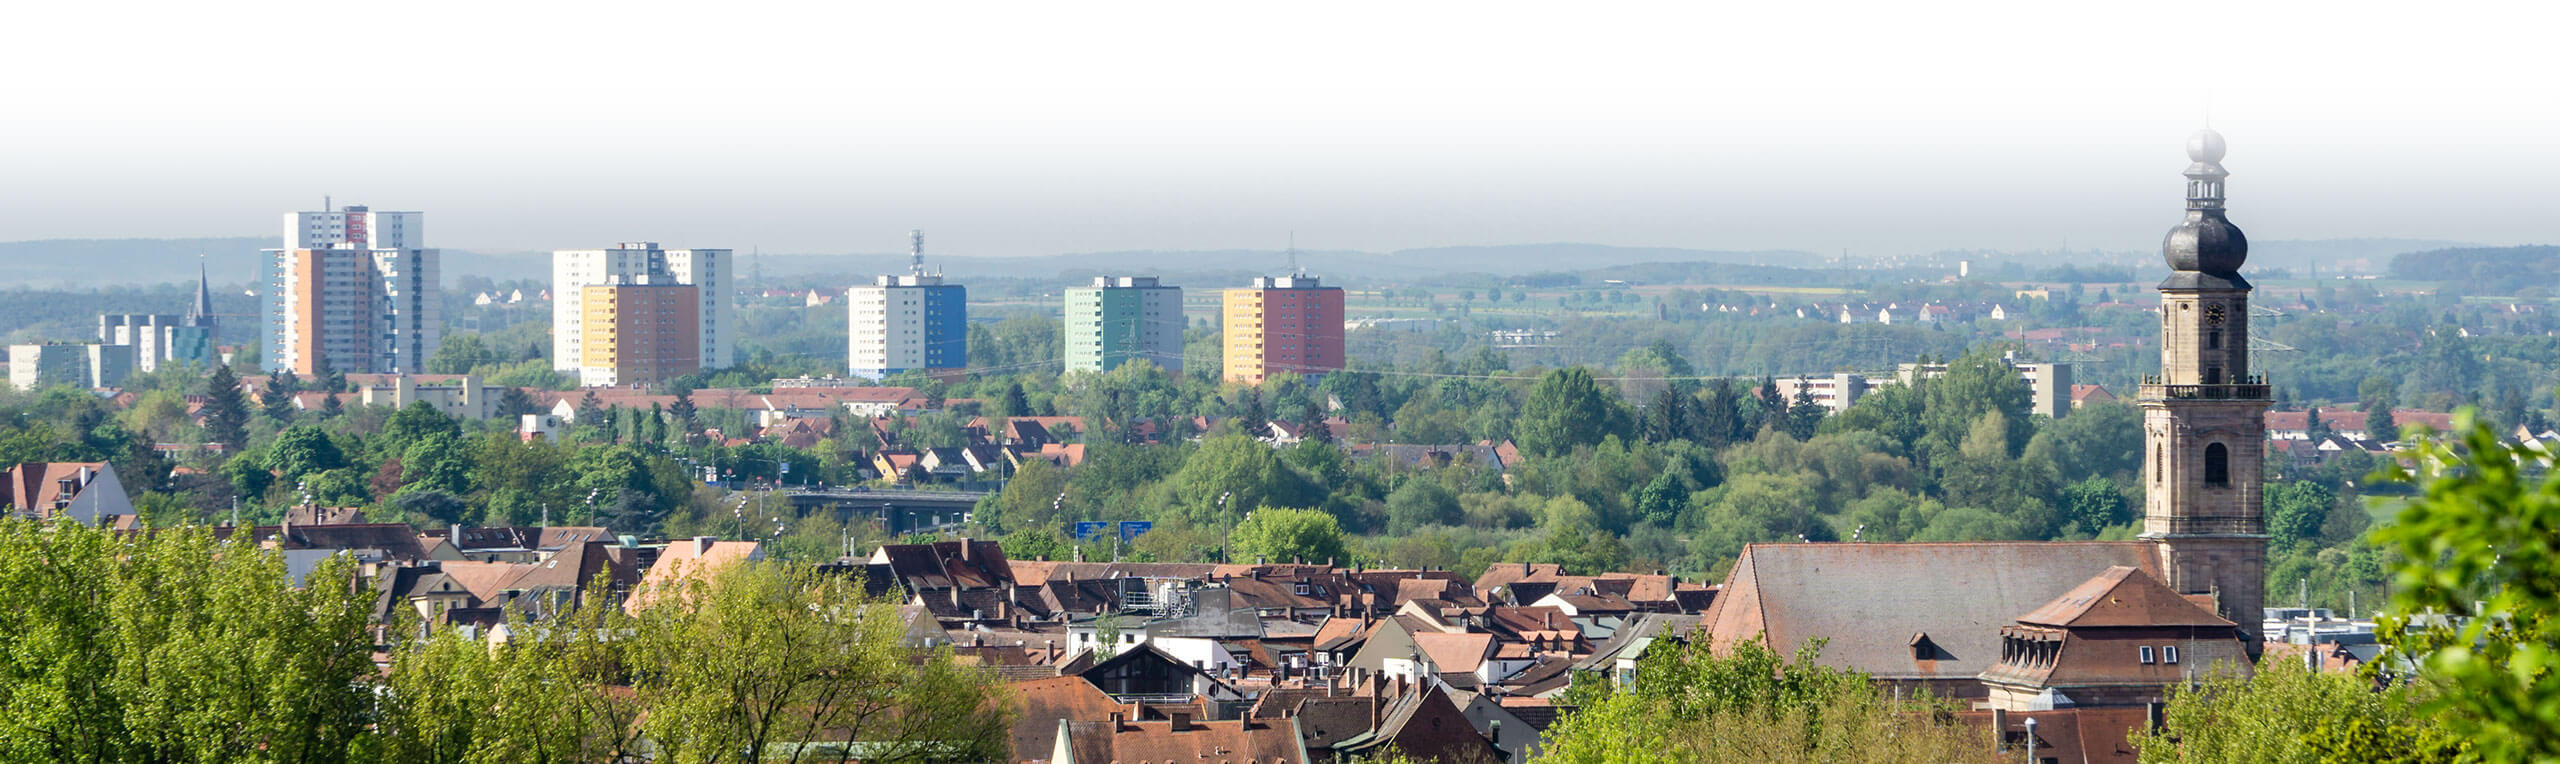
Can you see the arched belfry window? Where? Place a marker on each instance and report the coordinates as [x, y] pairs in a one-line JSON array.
[[2217, 465]]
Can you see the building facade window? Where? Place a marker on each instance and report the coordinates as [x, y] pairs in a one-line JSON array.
[[2217, 465]]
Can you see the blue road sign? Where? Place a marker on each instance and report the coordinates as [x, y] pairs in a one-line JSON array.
[[1088, 530], [1129, 530]]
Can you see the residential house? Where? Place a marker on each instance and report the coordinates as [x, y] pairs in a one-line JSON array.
[[86, 492]]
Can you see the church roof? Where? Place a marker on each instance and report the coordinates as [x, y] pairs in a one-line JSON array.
[[1868, 600], [2122, 596]]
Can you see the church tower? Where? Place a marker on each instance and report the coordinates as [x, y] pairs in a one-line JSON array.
[[2203, 428]]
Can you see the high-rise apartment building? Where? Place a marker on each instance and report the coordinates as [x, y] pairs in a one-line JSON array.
[[637, 332], [1120, 319], [352, 290], [913, 322], [1282, 323], [644, 265]]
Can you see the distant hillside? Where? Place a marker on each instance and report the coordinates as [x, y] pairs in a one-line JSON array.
[[1199, 266], [2332, 256], [232, 260], [80, 263], [2484, 270]]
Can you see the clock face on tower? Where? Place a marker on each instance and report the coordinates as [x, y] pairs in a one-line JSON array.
[[2213, 315]]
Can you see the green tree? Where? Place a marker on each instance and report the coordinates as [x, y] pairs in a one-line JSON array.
[[1690, 703], [2296, 510], [1804, 415], [1230, 475], [303, 450], [1979, 383], [1420, 501], [172, 646], [459, 353], [2285, 714], [2093, 504], [1568, 408], [1283, 535], [2378, 424], [766, 657], [276, 399], [1034, 499], [226, 413], [2476, 601], [414, 424]]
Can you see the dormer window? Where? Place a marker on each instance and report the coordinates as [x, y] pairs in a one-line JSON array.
[[1302, 588]]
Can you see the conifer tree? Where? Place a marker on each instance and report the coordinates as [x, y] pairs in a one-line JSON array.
[[226, 419]]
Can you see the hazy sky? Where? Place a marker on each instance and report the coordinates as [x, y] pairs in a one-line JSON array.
[[1058, 127]]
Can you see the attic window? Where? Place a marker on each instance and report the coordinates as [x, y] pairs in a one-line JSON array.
[[2146, 654], [1302, 588], [2169, 654]]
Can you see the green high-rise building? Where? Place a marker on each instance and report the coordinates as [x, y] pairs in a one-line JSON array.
[[1123, 318]]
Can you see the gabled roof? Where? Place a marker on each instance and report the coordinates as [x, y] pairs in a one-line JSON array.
[[961, 564], [485, 580], [2122, 596], [1042, 703], [1454, 653], [686, 558], [1632, 639], [1868, 599], [33, 487]]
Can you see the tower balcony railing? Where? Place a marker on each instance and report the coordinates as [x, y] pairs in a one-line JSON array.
[[2249, 388]]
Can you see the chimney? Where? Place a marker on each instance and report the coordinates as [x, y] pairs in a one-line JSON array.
[[1050, 649], [964, 549], [1999, 730], [2151, 716], [702, 545], [1181, 720]]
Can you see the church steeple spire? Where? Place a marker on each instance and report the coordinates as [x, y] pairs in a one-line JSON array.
[[2203, 416], [2206, 242], [201, 313]]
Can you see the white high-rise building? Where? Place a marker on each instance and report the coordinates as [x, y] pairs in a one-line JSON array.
[[355, 227], [643, 262], [352, 290], [913, 322]]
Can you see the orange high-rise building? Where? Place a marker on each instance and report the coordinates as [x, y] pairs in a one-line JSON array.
[[639, 333], [1282, 323]]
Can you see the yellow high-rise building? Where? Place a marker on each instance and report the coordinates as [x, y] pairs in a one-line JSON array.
[[1284, 323], [638, 333]]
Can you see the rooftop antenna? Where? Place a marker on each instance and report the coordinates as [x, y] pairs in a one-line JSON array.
[[915, 251], [324, 204], [1293, 255]]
